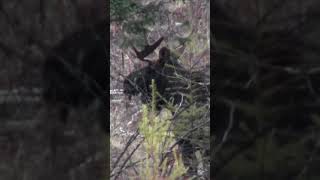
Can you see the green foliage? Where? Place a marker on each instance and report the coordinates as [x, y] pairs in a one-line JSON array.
[[122, 9], [136, 19], [157, 140], [192, 119]]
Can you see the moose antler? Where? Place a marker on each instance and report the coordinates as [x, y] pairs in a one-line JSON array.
[[148, 49]]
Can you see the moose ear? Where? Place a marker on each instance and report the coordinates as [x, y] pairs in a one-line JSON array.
[[164, 53], [164, 56]]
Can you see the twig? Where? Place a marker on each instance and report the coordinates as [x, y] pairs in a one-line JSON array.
[[126, 160], [130, 141]]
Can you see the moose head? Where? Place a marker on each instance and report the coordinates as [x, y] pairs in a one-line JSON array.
[[172, 80], [138, 82]]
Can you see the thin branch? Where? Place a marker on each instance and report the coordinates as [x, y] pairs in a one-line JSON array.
[[130, 141], [126, 160]]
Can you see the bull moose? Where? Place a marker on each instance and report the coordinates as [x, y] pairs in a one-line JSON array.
[[173, 81], [176, 87]]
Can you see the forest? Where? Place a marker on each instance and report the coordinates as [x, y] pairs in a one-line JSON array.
[[165, 44]]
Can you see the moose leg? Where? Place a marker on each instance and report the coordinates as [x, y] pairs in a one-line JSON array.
[[188, 156]]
